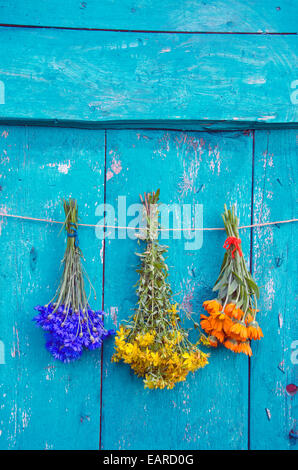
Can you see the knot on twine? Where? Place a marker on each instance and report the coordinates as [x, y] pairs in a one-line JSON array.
[[74, 234], [233, 241]]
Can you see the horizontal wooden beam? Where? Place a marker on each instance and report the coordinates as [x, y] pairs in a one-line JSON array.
[[105, 76], [154, 15], [174, 125]]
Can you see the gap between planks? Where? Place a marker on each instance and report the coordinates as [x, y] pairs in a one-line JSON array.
[[146, 31]]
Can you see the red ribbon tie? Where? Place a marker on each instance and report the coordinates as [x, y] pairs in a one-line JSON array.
[[233, 241]]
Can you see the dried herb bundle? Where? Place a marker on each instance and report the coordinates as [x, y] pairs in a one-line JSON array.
[[232, 315], [70, 324], [153, 342]]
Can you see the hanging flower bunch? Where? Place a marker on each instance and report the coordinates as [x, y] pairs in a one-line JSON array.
[[231, 318], [153, 342], [69, 323]]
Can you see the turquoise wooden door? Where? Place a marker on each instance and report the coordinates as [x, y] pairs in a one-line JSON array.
[[102, 100], [233, 403]]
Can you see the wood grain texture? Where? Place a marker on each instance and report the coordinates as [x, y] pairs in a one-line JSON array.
[[212, 409], [209, 410], [274, 412], [173, 15], [103, 76], [45, 404]]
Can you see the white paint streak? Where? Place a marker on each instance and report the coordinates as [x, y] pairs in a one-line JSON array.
[[255, 81], [64, 167], [166, 49], [102, 251], [3, 211]]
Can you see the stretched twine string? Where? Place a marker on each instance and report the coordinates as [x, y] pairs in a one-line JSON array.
[[49, 221]]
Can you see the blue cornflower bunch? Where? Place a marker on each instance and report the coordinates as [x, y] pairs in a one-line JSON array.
[[68, 334], [69, 323]]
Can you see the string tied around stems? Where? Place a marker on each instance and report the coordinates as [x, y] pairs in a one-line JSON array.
[[74, 234], [233, 241]]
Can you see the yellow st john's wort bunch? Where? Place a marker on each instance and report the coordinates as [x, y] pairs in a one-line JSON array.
[[153, 342]]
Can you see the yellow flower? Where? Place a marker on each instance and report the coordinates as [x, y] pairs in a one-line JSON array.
[[155, 358], [160, 358], [146, 339], [121, 333], [204, 340], [173, 309], [149, 382]]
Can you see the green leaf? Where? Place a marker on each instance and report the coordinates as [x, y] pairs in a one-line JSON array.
[[221, 281], [232, 287], [245, 300], [238, 278], [253, 286]]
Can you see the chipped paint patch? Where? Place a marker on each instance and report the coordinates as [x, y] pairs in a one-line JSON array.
[[270, 293], [114, 315], [4, 158], [163, 145], [109, 174], [50, 374], [267, 118], [25, 419], [15, 351], [116, 166], [281, 366], [3, 221], [48, 446], [165, 49], [64, 167], [268, 413], [255, 81], [190, 149], [2, 354], [102, 250]]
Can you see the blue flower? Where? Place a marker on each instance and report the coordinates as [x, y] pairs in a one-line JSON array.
[[68, 333]]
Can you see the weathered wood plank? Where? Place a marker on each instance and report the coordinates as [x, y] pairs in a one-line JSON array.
[[209, 411], [44, 403], [274, 365], [173, 15], [165, 125], [100, 76]]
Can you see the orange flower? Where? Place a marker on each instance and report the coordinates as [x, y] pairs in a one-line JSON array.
[[228, 323], [233, 312], [229, 309], [231, 344], [205, 323], [249, 318], [217, 323], [237, 337], [254, 331], [219, 315], [212, 306], [218, 335], [204, 317], [238, 314], [213, 341], [240, 329], [244, 347]]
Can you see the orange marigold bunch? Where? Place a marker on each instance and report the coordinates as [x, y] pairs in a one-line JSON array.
[[231, 317]]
